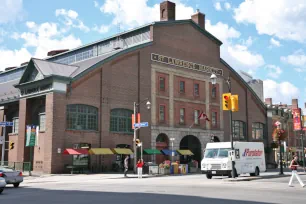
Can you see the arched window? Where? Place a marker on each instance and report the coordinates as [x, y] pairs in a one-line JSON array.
[[121, 121], [239, 130], [257, 131], [82, 117]]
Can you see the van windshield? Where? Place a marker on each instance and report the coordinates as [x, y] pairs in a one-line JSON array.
[[216, 153]]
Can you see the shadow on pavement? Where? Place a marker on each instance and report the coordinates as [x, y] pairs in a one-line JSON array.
[[44, 196]]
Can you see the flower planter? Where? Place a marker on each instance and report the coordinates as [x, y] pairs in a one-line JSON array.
[[164, 171]]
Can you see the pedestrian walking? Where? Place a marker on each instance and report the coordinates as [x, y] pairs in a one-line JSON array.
[[126, 165], [139, 168], [294, 165]]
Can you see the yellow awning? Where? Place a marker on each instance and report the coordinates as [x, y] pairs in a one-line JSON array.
[[184, 152], [99, 151], [123, 151]]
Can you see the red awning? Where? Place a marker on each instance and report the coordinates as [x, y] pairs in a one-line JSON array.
[[75, 151]]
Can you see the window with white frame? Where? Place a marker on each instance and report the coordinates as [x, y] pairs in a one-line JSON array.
[[42, 121], [15, 125], [196, 117], [182, 115]]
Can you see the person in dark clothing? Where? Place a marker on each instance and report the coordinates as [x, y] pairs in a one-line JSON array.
[[294, 165], [126, 165]]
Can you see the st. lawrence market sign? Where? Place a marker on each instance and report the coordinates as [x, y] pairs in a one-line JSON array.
[[185, 64]]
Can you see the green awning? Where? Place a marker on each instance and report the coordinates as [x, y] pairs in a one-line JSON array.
[[123, 151], [100, 151], [151, 151], [184, 152]]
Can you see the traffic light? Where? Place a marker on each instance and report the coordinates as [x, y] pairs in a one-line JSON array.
[[226, 101], [234, 103], [12, 145], [137, 142]]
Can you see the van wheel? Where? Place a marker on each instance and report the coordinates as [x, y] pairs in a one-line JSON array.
[[208, 176], [257, 171]]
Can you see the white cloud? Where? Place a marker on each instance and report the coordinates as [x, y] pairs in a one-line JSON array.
[[298, 58], [227, 6], [11, 58], [31, 24], [299, 69], [281, 92], [237, 55], [48, 37], [281, 18], [218, 6], [275, 43], [71, 19], [96, 4], [102, 29], [10, 10], [132, 13], [273, 71]]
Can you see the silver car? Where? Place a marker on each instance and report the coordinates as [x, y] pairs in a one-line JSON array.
[[2, 184], [11, 176]]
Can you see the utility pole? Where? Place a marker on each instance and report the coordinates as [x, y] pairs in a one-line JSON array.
[[3, 144]]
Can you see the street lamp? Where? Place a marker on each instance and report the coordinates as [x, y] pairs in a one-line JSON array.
[[213, 79], [136, 105], [172, 152], [303, 150]]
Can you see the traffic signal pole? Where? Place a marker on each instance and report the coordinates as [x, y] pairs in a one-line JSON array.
[[3, 144]]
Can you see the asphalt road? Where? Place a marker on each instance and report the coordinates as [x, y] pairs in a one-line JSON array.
[[171, 190]]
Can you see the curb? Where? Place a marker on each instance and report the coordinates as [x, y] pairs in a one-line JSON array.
[[254, 178]]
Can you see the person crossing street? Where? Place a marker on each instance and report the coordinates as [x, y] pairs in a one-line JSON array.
[[294, 165], [126, 165]]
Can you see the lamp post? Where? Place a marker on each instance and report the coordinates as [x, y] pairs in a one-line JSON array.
[[213, 79], [172, 152], [136, 105], [303, 150]]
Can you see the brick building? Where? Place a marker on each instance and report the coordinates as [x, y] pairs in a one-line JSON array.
[[85, 96], [283, 113]]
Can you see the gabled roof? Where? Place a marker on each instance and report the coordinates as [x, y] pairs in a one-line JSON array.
[[203, 31], [47, 69]]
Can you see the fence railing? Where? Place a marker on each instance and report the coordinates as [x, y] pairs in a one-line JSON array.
[[18, 166]]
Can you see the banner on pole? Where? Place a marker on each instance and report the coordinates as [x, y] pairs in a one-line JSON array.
[[31, 136], [297, 119]]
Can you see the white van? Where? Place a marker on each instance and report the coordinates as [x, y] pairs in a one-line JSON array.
[[249, 157]]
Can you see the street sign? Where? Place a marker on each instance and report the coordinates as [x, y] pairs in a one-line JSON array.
[[3, 124], [143, 124]]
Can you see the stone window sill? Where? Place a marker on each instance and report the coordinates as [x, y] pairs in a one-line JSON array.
[[13, 134]]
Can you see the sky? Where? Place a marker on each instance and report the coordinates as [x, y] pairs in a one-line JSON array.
[[263, 38]]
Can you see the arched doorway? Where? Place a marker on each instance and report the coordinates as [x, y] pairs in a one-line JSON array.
[[162, 142], [194, 145]]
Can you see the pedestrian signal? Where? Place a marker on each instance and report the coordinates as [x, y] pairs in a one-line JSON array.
[[234, 103], [11, 145], [137, 142], [226, 101]]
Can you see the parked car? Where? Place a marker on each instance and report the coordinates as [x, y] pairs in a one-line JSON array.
[[11, 176], [2, 184]]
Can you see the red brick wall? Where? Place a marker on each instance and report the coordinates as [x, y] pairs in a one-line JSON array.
[[189, 88]]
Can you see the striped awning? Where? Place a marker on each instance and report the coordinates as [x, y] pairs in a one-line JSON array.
[[123, 151], [75, 151], [100, 151], [185, 152]]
